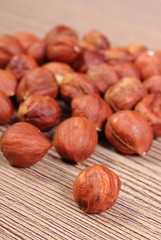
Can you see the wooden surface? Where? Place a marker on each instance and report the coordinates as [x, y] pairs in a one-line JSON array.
[[36, 203]]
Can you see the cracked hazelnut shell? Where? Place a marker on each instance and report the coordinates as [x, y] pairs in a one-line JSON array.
[[23, 144], [75, 139], [96, 189], [129, 132]]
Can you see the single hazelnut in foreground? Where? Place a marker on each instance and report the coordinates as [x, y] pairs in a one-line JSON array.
[[96, 189], [20, 64], [129, 132], [125, 94], [9, 46], [6, 108], [153, 84], [75, 139], [62, 49], [8, 82], [42, 111], [38, 80], [76, 84], [150, 109], [102, 76], [97, 39], [93, 107], [23, 144]]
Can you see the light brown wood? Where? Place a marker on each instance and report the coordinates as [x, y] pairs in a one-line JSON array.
[[37, 203]]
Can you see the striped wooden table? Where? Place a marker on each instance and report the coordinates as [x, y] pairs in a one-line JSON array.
[[37, 203]]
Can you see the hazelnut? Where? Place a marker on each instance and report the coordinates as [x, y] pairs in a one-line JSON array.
[[135, 49], [76, 84], [153, 84], [9, 46], [26, 39], [37, 51], [61, 30], [6, 109], [129, 132], [87, 58], [20, 64], [149, 108], [116, 55], [63, 49], [8, 82], [38, 80], [125, 94], [97, 39], [126, 69], [58, 69], [23, 144], [148, 64], [96, 189], [102, 76], [92, 107], [75, 139], [42, 111]]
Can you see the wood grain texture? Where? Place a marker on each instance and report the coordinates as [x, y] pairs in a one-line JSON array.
[[36, 203]]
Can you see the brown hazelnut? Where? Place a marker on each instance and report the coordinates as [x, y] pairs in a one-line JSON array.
[[148, 64], [92, 107], [97, 39], [96, 189], [23, 144], [61, 30], [149, 108], [129, 132], [76, 84], [20, 64], [63, 49], [126, 69], [26, 39], [6, 108], [9, 46], [58, 69], [116, 55], [135, 49], [153, 84], [8, 82], [75, 139], [87, 58], [102, 76], [38, 80], [125, 94], [42, 111]]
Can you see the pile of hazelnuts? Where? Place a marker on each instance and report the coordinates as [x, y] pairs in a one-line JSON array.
[[116, 90]]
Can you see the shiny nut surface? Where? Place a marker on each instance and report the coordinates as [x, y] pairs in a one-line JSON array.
[[75, 139], [128, 132], [42, 111], [38, 80], [149, 108], [96, 189], [6, 108], [93, 107], [125, 94], [23, 144]]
